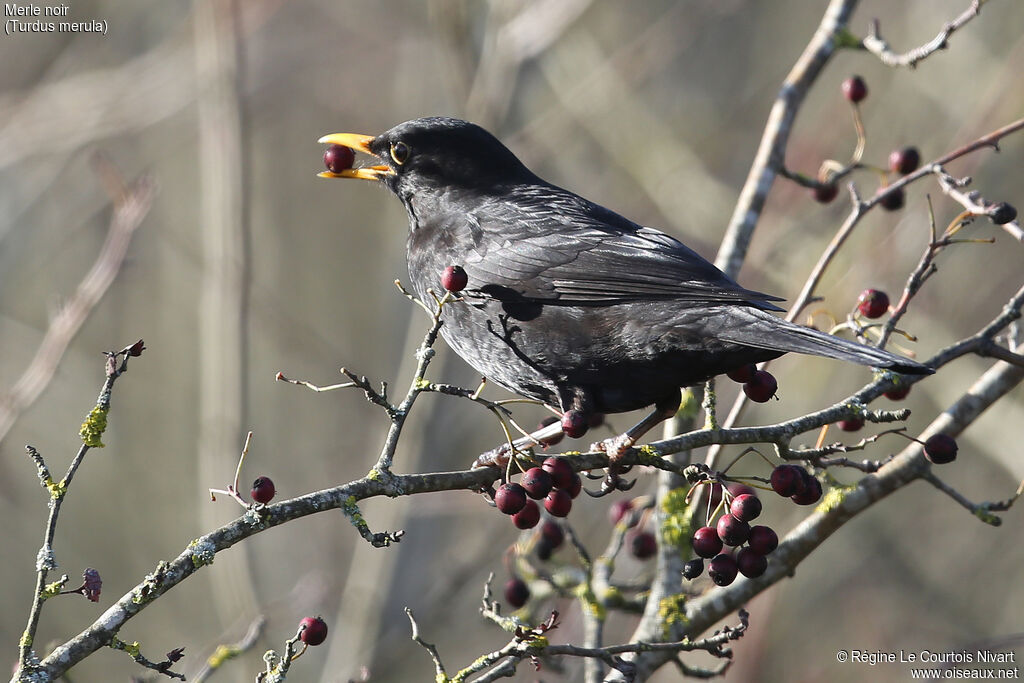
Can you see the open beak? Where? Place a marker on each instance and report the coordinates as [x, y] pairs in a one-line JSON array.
[[360, 143]]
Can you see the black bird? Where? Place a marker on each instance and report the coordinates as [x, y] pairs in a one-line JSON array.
[[568, 302]]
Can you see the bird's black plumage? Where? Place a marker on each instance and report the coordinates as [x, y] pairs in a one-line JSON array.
[[569, 302]]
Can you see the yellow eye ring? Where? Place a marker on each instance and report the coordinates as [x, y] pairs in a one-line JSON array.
[[400, 152]]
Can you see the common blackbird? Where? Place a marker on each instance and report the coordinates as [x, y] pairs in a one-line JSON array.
[[568, 302]]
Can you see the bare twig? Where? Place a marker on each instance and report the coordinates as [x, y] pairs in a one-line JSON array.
[[225, 653], [876, 45], [429, 647]]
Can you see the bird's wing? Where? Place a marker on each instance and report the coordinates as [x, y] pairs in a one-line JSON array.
[[573, 252]]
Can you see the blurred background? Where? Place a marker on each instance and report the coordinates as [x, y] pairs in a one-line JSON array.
[[247, 264]]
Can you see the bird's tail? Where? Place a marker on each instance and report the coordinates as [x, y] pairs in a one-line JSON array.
[[763, 330]]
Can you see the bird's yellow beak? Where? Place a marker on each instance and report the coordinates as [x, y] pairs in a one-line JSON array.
[[360, 143]]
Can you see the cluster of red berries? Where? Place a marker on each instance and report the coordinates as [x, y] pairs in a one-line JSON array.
[[759, 385], [796, 483], [751, 544], [554, 482]]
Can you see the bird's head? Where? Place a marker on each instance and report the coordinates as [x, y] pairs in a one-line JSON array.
[[432, 154]]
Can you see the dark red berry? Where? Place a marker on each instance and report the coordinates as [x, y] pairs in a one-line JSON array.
[[750, 563], [898, 392], [811, 494], [745, 507], [537, 482], [643, 545], [1002, 213], [743, 373], [693, 569], [787, 480], [762, 539], [510, 498], [620, 509], [339, 157], [716, 495], [544, 549], [873, 303], [596, 420], [851, 424], [940, 448], [905, 160], [761, 388], [825, 192], [558, 503], [737, 489], [263, 490], [854, 89], [553, 533], [575, 487], [722, 569], [706, 542], [551, 440], [454, 278], [528, 517], [560, 470], [516, 592], [893, 199], [575, 423], [732, 531], [314, 630]]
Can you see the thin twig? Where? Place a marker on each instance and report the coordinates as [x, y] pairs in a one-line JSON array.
[[876, 45]]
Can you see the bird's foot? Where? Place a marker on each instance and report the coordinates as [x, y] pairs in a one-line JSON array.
[[615, 447], [496, 457]]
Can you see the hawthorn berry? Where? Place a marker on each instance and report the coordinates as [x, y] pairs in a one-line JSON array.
[[553, 533], [854, 89], [940, 448], [537, 482], [811, 494], [787, 480], [904, 160], [575, 486], [510, 498], [743, 373], [732, 531], [825, 192], [560, 470], [339, 157], [528, 517], [893, 199], [544, 549], [643, 545], [706, 542], [873, 303], [722, 569], [596, 420], [745, 507], [851, 424], [750, 563], [898, 392], [314, 630], [516, 592], [551, 440], [558, 502], [263, 490], [620, 509], [1002, 213], [575, 423], [762, 539], [762, 387], [693, 569], [738, 489], [454, 278]]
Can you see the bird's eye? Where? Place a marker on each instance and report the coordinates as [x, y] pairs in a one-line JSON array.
[[400, 152]]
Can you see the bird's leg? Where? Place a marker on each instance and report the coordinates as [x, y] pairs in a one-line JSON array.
[[498, 457], [617, 446]]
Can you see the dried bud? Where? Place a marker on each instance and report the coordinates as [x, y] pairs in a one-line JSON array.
[[91, 585], [175, 654], [1002, 213], [137, 348]]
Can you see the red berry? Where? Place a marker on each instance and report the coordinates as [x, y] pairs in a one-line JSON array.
[[745, 507], [940, 448], [706, 542], [516, 592], [761, 388], [787, 480], [263, 490], [722, 569], [558, 503], [454, 278], [732, 531], [643, 545], [851, 424], [339, 157], [825, 192], [743, 373], [575, 423], [811, 494], [1002, 213], [620, 509], [898, 392], [855, 89], [893, 200], [528, 517], [553, 533], [693, 569], [737, 489], [873, 303], [560, 470], [552, 440], [537, 483], [750, 563], [510, 498], [596, 420], [575, 487], [762, 539], [905, 160], [544, 549], [716, 495], [314, 630]]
